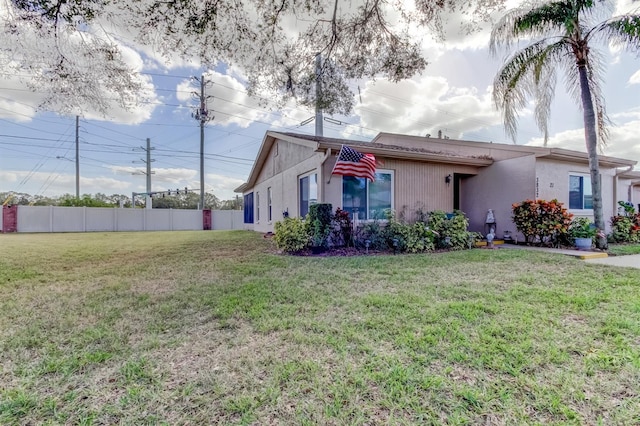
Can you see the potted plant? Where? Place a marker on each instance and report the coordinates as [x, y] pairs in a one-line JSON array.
[[582, 232]]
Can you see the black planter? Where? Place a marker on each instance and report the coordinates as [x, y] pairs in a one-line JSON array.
[[317, 249]]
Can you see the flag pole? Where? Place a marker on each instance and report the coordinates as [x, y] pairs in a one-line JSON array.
[[334, 166]]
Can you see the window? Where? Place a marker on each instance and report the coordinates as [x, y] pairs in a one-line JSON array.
[[269, 203], [248, 208], [580, 197], [257, 207], [308, 192], [369, 200]]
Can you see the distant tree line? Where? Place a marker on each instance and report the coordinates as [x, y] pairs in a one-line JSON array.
[[160, 201]]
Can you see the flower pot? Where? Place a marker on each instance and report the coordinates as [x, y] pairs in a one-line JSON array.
[[582, 243]]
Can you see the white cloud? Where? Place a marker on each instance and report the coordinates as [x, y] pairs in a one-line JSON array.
[[173, 176], [58, 183], [623, 142], [222, 186], [228, 100], [426, 105], [635, 78]]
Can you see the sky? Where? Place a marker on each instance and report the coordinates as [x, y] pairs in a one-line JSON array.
[[453, 95]]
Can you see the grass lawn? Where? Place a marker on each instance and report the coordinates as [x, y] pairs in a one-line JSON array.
[[624, 249], [215, 328]]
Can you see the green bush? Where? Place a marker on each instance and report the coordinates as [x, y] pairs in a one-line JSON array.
[[372, 232], [452, 230], [291, 235], [320, 220]]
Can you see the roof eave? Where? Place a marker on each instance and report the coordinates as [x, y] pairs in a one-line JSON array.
[[415, 155], [570, 155]]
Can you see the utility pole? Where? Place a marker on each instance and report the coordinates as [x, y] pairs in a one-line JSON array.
[[318, 95], [148, 162], [77, 157], [202, 115]]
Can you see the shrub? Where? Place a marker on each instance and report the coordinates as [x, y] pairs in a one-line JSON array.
[[542, 221], [342, 233], [291, 235], [372, 232], [626, 229], [320, 220], [452, 230]]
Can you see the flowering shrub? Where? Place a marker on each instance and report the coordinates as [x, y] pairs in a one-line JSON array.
[[542, 221], [626, 229]]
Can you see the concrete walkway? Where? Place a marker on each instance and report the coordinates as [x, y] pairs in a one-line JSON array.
[[629, 261], [597, 257]]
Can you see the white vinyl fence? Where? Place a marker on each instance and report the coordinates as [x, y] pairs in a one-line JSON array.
[[97, 219]]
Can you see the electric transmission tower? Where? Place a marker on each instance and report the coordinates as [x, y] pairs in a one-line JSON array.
[[202, 115]]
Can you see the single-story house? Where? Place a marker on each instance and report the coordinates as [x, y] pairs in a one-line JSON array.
[[293, 171]]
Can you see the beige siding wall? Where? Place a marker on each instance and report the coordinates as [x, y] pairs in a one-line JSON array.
[[281, 173], [552, 181], [415, 184], [497, 187]]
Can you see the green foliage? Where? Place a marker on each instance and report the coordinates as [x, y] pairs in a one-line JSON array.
[[438, 231], [628, 208], [582, 227], [86, 201], [291, 235], [452, 230], [625, 229], [320, 220], [542, 221], [420, 238], [374, 233]]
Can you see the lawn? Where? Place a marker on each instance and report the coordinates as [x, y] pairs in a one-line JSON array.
[[216, 328]]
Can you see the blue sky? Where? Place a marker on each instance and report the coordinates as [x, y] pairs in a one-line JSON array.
[[37, 148]]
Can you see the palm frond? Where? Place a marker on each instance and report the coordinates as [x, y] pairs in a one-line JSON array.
[[623, 30], [526, 22], [529, 73]]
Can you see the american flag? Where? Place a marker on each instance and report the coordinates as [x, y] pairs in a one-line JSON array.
[[353, 163]]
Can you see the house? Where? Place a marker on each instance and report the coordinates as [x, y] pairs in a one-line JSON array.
[[293, 171]]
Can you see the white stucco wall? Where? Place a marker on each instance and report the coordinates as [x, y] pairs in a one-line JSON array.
[[552, 181], [497, 187]]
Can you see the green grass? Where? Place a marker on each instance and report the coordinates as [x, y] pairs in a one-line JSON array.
[[624, 249], [216, 328]]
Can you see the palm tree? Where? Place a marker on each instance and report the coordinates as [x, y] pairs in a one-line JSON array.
[[560, 35]]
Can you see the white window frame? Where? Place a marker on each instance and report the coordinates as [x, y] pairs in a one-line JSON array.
[[302, 176], [257, 207], [393, 195], [582, 210]]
